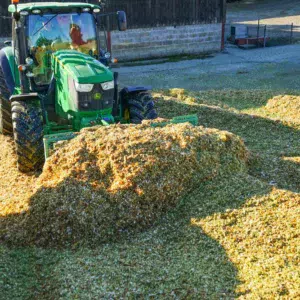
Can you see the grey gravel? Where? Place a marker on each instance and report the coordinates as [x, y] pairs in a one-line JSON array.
[[263, 68]]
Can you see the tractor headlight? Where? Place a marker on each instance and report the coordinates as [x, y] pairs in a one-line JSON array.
[[85, 88], [108, 85]]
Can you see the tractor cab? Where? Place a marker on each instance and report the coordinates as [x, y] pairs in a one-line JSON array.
[[44, 28], [49, 32]]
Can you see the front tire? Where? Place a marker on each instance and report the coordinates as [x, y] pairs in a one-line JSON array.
[[141, 107], [27, 121]]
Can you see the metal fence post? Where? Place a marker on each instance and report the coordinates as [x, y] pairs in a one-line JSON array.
[[108, 28], [292, 28], [257, 37], [265, 33], [223, 18]]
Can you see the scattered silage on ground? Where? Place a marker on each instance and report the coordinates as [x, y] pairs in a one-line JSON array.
[[262, 239], [15, 187], [285, 108]]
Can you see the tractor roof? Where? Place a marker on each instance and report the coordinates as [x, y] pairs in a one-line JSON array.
[[52, 5]]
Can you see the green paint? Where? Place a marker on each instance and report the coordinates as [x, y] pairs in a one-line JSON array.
[[193, 119], [81, 67], [70, 66], [49, 140]]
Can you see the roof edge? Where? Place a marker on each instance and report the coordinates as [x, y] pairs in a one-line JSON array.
[[55, 5]]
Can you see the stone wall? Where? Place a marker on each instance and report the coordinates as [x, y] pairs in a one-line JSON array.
[[135, 44], [155, 42]]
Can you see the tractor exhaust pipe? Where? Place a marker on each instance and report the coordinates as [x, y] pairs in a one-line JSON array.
[[21, 42], [116, 98]]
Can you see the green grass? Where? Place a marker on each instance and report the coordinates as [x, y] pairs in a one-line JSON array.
[[232, 237]]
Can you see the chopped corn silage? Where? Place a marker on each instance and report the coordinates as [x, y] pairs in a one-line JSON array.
[[15, 187], [262, 240], [109, 180], [285, 108]]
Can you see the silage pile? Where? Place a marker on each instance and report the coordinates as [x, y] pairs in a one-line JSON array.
[[286, 107], [109, 181]]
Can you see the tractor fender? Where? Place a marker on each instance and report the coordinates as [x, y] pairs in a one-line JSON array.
[[24, 97], [27, 98], [8, 66], [133, 89]]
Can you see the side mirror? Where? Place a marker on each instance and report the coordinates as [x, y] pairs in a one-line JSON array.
[[122, 22], [7, 43]]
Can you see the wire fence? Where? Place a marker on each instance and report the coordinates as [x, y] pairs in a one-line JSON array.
[[261, 35]]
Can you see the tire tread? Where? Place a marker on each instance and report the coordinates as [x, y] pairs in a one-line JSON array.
[[5, 107], [28, 135], [141, 107]]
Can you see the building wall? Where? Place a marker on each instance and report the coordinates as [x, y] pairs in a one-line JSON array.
[[154, 42]]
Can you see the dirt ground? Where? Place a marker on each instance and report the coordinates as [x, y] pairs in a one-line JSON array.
[[262, 68], [272, 12]]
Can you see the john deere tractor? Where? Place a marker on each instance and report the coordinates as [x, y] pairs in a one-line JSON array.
[[55, 79]]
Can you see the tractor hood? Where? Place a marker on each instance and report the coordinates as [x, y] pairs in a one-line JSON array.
[[82, 68]]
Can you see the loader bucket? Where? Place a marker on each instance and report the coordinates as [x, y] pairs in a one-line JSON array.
[[193, 119], [50, 140]]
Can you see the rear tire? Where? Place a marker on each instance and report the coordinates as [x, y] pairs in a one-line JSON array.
[[28, 135], [5, 107], [141, 107]]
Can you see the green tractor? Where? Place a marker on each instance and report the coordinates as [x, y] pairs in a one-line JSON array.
[[55, 79]]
